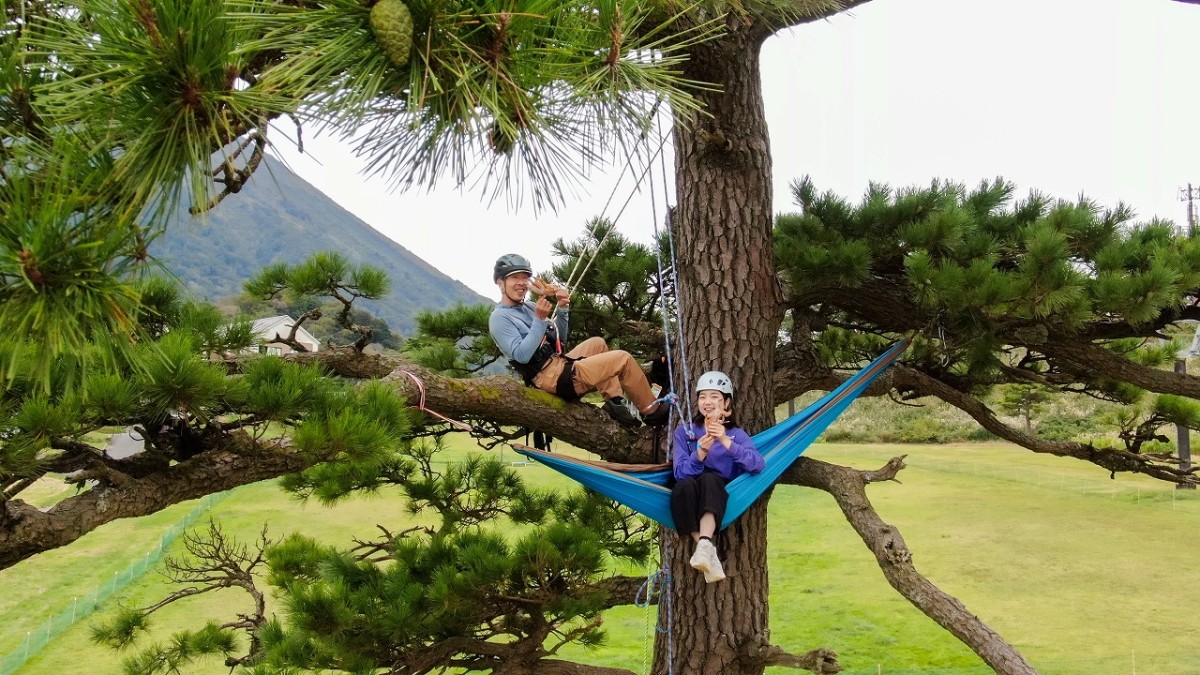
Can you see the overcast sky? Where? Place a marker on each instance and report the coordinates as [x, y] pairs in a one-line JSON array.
[[1065, 96]]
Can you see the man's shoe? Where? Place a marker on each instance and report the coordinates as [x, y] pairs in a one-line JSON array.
[[657, 417], [620, 411]]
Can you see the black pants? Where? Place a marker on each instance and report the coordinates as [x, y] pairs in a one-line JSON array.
[[695, 496]]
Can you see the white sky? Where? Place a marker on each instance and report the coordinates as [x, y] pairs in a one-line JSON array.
[[1065, 96]]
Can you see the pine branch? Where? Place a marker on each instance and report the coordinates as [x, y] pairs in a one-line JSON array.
[[343, 318], [1116, 330], [291, 340], [26, 530], [1113, 460], [574, 634], [1086, 360], [12, 488], [848, 488], [555, 667], [234, 179], [790, 13], [762, 654], [379, 550]]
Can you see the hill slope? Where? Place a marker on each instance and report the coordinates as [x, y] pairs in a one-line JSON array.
[[280, 217]]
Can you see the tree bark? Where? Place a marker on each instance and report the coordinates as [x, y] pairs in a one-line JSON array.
[[730, 304], [26, 530]]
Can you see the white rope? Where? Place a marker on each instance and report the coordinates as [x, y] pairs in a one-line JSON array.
[[662, 294], [590, 251]]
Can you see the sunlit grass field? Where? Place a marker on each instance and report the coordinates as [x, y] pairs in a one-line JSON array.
[[1083, 573]]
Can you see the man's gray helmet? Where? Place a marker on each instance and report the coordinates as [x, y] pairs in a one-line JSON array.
[[715, 379], [510, 263]]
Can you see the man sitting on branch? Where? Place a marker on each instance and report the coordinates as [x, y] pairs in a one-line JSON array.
[[532, 341]]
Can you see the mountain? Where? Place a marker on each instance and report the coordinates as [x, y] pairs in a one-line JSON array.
[[280, 217]]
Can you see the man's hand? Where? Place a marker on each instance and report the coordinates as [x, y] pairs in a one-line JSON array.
[[541, 308], [548, 290]]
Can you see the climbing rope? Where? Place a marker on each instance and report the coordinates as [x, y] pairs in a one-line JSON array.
[[685, 380], [591, 252], [461, 426], [658, 583], [663, 581]]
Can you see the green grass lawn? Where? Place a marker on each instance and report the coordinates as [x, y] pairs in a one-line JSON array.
[[1082, 573]]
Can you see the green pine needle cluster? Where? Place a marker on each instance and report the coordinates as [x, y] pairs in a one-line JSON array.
[[524, 93], [618, 289], [355, 615], [181, 650], [172, 76], [175, 388], [466, 580], [986, 266], [68, 258]]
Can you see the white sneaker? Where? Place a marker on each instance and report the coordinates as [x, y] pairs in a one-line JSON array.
[[715, 571], [703, 557]]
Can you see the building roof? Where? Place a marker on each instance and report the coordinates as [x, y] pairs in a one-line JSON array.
[[267, 328]]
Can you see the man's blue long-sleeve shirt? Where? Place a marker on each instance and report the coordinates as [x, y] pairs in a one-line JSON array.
[[740, 457], [518, 332]]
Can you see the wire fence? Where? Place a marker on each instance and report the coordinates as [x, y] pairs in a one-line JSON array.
[[1141, 493], [81, 607], [1125, 488]]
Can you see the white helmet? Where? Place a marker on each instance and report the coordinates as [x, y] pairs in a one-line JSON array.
[[715, 379]]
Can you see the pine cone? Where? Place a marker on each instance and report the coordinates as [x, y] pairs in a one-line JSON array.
[[393, 26]]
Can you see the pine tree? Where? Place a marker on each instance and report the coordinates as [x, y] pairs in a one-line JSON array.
[[454, 590], [112, 109], [1024, 400]]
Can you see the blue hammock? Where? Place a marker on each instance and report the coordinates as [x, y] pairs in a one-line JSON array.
[[643, 487]]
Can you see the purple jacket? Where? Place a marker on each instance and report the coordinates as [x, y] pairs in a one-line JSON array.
[[740, 457]]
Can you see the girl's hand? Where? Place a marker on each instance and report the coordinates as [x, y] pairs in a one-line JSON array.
[[703, 444], [715, 426]]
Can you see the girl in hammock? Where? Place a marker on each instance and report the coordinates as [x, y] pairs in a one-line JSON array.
[[708, 453]]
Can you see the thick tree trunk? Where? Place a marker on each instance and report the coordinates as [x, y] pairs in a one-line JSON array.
[[729, 300], [713, 625]]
